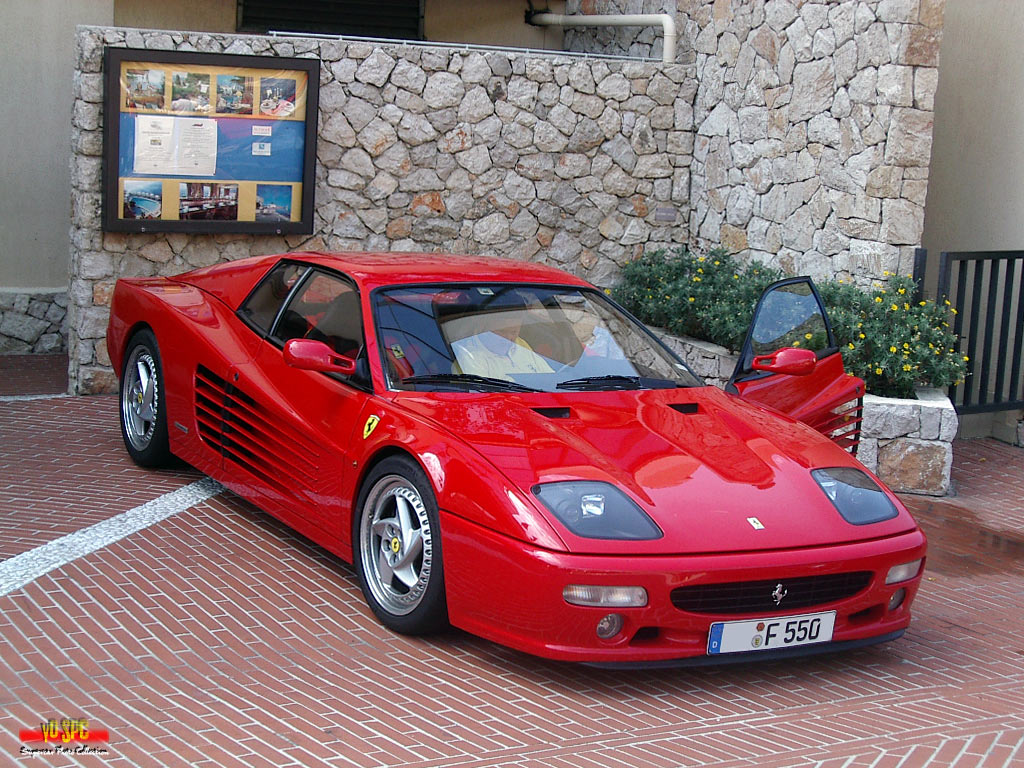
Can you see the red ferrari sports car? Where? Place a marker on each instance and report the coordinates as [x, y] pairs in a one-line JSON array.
[[499, 446]]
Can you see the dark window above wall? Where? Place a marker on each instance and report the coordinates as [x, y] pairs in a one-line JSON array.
[[393, 19]]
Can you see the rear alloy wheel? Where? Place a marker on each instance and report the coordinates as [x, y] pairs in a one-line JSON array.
[[398, 548], [143, 415]]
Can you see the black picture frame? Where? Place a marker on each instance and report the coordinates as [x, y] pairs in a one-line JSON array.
[[213, 112]]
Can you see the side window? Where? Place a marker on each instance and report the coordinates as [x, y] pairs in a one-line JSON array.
[[263, 304], [789, 316], [325, 308]]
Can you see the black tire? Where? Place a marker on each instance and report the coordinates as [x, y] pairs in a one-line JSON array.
[[143, 402], [396, 543]]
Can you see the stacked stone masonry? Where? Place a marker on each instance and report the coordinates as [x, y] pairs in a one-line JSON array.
[[813, 124], [569, 160], [780, 133], [907, 443], [33, 322]]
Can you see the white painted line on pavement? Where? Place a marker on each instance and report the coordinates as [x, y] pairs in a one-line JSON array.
[[19, 398], [25, 568]]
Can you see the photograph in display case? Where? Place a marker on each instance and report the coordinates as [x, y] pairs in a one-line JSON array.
[[234, 94], [278, 96], [273, 202], [200, 200], [142, 199], [190, 92], [144, 89]]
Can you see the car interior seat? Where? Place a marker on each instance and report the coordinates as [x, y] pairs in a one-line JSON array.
[[341, 327]]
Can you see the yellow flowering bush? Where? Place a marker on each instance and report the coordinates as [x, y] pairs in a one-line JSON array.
[[890, 342]]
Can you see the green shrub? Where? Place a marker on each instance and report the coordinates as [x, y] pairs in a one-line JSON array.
[[886, 339], [708, 297]]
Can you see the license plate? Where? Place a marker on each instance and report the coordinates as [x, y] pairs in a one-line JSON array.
[[766, 634]]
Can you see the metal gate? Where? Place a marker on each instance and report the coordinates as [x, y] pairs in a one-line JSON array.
[[987, 291]]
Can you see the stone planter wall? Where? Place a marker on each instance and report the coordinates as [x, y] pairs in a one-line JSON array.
[[907, 443], [711, 362]]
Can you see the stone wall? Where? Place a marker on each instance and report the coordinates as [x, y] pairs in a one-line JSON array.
[[712, 362], [33, 322], [907, 443], [814, 125], [796, 133], [577, 161], [813, 121]]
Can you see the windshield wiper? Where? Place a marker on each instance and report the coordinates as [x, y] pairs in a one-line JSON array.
[[469, 379], [616, 381]]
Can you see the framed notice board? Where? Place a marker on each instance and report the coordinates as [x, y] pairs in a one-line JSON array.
[[197, 142]]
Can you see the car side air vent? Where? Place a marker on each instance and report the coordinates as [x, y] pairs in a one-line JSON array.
[[240, 429], [684, 407], [554, 413]]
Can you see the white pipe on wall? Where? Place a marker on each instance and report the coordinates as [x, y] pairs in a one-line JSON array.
[[615, 20]]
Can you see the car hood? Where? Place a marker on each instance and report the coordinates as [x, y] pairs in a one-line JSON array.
[[698, 461]]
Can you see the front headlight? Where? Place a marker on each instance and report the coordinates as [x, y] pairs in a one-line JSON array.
[[903, 572], [595, 510], [604, 596], [858, 498]]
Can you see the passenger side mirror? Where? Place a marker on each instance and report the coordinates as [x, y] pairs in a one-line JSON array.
[[789, 360], [312, 355]]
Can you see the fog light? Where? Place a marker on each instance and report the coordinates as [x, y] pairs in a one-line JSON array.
[[605, 597], [903, 572], [609, 626], [897, 598]]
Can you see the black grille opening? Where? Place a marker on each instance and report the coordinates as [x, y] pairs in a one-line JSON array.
[[554, 413], [684, 407], [645, 635], [874, 613], [760, 596]]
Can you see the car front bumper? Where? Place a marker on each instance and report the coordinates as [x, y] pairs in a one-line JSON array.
[[510, 592]]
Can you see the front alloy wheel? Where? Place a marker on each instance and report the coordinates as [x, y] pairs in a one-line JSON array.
[[398, 549]]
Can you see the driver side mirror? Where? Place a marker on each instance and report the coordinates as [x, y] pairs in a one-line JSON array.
[[788, 360], [313, 355]]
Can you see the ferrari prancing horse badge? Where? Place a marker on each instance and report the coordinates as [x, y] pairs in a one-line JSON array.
[[370, 425]]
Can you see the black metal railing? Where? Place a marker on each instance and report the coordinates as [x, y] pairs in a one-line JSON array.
[[987, 291]]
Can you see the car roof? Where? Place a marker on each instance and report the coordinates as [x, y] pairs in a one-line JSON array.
[[374, 269], [232, 281]]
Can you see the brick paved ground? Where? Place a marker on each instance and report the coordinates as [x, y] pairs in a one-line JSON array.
[[219, 637], [62, 468], [33, 374]]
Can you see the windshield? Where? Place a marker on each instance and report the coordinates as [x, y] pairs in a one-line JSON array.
[[517, 338]]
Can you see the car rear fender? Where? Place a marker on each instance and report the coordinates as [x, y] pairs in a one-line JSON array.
[[191, 328], [128, 315]]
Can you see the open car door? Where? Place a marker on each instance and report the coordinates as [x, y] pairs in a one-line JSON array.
[[790, 362]]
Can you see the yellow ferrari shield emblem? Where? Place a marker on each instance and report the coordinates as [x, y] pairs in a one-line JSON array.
[[370, 425]]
